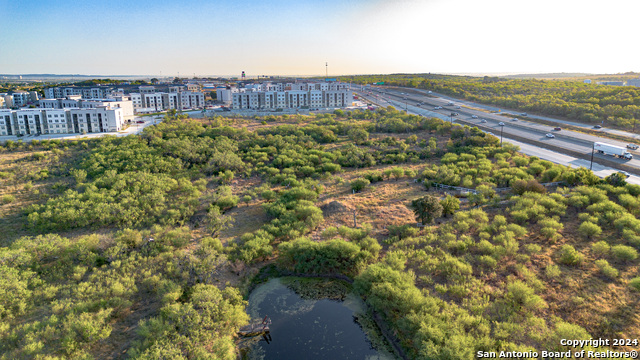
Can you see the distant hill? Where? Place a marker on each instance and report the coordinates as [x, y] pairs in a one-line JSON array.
[[547, 76]]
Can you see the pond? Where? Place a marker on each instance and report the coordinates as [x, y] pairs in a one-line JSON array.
[[312, 319]]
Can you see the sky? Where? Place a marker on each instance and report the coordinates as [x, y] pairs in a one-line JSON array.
[[298, 37]]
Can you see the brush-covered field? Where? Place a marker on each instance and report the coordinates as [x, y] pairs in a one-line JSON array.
[[145, 247]]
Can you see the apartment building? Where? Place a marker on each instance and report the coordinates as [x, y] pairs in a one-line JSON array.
[[159, 101], [60, 92], [19, 98], [74, 101], [61, 121], [633, 82], [224, 95], [292, 96], [191, 100]]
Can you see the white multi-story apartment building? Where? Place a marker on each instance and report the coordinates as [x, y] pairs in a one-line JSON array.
[[149, 89], [191, 100], [159, 101], [171, 100], [136, 100], [22, 98], [293, 96], [85, 92], [153, 101], [75, 101], [224, 95], [61, 121]]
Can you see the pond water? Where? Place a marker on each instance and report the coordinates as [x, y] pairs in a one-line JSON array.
[[312, 319]]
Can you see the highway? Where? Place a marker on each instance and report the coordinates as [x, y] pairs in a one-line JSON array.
[[566, 139], [560, 122], [425, 106]]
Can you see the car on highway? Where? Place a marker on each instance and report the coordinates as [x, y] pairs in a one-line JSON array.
[[550, 135], [483, 121], [626, 174], [632, 146], [501, 123], [474, 116], [458, 107], [598, 127], [557, 128], [514, 119], [523, 114], [438, 108], [455, 114]]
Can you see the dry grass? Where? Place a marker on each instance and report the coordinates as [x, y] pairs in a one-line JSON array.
[[247, 218]]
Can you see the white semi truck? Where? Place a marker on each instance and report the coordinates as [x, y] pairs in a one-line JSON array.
[[608, 149]]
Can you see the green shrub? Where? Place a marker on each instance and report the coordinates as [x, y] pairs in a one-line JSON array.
[[570, 256], [330, 257], [635, 283], [132, 238], [607, 269], [588, 229], [485, 247], [178, 237], [402, 231], [227, 202], [268, 195], [450, 205], [488, 261], [601, 248], [253, 247], [587, 217], [519, 187], [533, 248], [631, 236], [8, 199], [624, 253], [552, 271], [550, 229], [454, 268], [373, 176], [522, 296], [359, 184]]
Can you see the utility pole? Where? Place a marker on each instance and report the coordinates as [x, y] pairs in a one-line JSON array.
[[593, 148]]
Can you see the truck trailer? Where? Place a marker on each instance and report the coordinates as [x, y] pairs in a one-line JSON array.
[[608, 149]]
